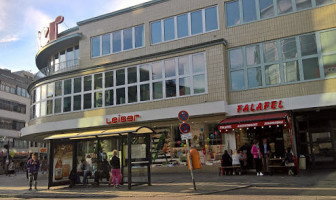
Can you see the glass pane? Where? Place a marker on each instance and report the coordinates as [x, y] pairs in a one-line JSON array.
[[196, 22], [98, 99], [132, 94], [211, 20], [98, 81], [139, 36], [270, 52], [87, 101], [291, 71], [198, 63], [76, 61], [43, 108], [70, 57], [106, 44], [232, 13], [95, 46], [254, 77], [51, 90], [49, 107], [87, 83], [236, 58], [272, 74], [237, 80], [108, 79], [128, 39], [170, 88], [284, 6], [249, 10], [43, 92], [288, 48], [77, 104], [132, 75], [328, 41], [38, 94], [184, 86], [120, 77], [303, 4], [182, 26], [116, 41], [308, 45], [58, 88], [329, 64], [144, 73], [77, 85], [169, 67], [310, 68], [156, 32], [169, 29], [322, 2], [120, 96], [56, 62], [252, 55], [37, 106], [58, 105], [199, 84], [144, 92], [157, 70], [109, 100], [66, 104], [266, 8], [183, 65], [67, 87], [157, 90]]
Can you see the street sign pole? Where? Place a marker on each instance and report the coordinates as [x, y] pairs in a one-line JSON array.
[[191, 166]]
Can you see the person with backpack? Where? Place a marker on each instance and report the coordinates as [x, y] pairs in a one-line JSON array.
[[33, 166]]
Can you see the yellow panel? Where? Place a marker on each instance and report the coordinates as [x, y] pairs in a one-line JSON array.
[[61, 136]]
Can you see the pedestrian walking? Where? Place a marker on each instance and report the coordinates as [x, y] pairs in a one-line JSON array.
[[255, 151], [115, 171], [33, 166]]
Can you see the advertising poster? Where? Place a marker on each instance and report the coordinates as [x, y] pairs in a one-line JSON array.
[[63, 156]]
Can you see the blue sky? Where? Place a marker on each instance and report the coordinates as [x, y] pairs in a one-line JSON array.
[[20, 21]]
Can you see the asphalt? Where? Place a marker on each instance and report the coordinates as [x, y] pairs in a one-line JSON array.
[[307, 183]]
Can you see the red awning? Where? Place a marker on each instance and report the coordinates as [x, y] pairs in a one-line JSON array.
[[253, 121]]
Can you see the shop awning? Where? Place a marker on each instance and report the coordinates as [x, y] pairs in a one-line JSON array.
[[253, 121], [103, 133]]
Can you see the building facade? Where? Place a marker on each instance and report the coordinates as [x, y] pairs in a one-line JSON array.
[[224, 62]]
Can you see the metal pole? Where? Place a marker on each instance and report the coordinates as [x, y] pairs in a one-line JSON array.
[[191, 166]]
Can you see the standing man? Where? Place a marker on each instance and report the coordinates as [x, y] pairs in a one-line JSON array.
[[33, 166], [265, 149]]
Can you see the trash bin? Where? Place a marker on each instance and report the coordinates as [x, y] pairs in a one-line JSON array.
[[302, 162]]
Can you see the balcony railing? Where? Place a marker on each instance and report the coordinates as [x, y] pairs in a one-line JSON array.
[[61, 67]]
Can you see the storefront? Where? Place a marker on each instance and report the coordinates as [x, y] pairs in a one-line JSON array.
[[133, 145]]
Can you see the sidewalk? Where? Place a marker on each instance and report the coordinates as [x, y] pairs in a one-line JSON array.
[[176, 185]]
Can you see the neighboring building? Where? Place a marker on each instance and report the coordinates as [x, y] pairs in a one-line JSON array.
[[221, 61], [14, 111]]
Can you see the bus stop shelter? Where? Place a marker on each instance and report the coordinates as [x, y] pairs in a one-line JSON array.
[[132, 143]]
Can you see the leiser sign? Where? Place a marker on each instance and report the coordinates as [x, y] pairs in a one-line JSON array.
[[267, 105]]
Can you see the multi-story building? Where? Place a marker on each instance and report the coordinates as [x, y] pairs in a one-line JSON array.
[[14, 111], [243, 69]]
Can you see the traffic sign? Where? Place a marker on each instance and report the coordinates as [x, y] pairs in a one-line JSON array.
[[183, 115], [185, 128], [187, 136]]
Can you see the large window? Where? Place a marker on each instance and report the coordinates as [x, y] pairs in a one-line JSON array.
[[67, 58], [189, 24], [245, 11], [170, 78], [118, 41], [288, 60]]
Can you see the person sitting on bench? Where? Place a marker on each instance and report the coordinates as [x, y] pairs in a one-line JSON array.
[[83, 170], [289, 162], [227, 161]]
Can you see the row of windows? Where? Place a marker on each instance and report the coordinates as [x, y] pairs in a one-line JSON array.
[[65, 59], [15, 143], [6, 87], [11, 124], [293, 59], [12, 106], [122, 40], [244, 11], [171, 78], [197, 22]]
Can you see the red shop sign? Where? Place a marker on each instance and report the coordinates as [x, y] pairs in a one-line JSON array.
[[260, 106], [252, 124]]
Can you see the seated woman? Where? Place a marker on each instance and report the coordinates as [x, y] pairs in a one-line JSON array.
[[235, 162], [289, 161], [226, 161]]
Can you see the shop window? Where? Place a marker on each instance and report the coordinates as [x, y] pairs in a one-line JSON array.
[[215, 137]]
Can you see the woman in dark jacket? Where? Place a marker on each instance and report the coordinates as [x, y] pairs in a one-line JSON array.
[[226, 161], [115, 171]]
